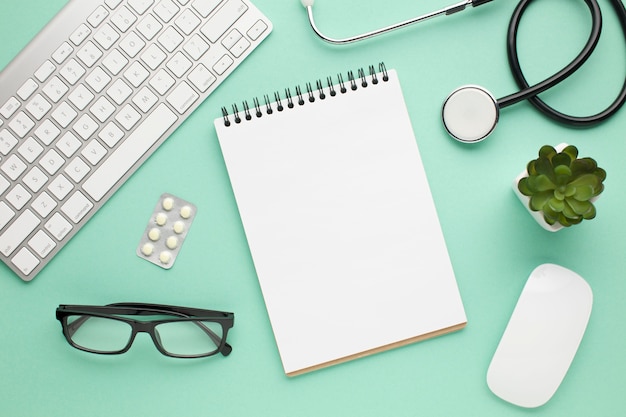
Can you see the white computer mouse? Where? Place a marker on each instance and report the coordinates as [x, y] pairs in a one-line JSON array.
[[542, 337]]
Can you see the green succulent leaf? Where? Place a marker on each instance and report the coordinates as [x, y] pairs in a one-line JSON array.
[[539, 200], [583, 166], [522, 186], [586, 180], [569, 212], [561, 159], [547, 151], [583, 193], [591, 213], [556, 205], [540, 183], [543, 166], [572, 151], [579, 207]]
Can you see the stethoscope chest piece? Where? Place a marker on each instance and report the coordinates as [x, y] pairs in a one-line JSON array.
[[470, 113]]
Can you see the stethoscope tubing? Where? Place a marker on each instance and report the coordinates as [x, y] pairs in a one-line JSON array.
[[530, 93]]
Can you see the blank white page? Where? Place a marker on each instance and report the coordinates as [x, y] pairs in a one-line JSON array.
[[342, 227]]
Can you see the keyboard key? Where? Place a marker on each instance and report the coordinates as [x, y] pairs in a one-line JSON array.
[[202, 78], [240, 47], [7, 142], [224, 18], [123, 18], [140, 6], [27, 89], [223, 64], [35, 179], [18, 197], [129, 152], [94, 152], [44, 204], [149, 27], [51, 162], [68, 144], [21, 124], [231, 39], [60, 187], [62, 53], [112, 3], [25, 261], [162, 82], [132, 44], [55, 89], [30, 150], [76, 207], [13, 167], [136, 74], [119, 91], [72, 71], [98, 79], [145, 99], [182, 97], [38, 107], [85, 126], [187, 22], [205, 7], [6, 214], [153, 57], [10, 107], [81, 97], [77, 169], [170, 39], [4, 184], [89, 54], [58, 227], [179, 64], [64, 114], [196, 47], [166, 10], [80, 34], [41, 244], [47, 132], [97, 16], [44, 71], [128, 117], [15, 234], [102, 109], [111, 134], [257, 30], [106, 36]]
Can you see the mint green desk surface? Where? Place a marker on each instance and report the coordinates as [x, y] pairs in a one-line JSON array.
[[493, 243]]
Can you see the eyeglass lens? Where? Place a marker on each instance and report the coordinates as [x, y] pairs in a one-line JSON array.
[[178, 338]]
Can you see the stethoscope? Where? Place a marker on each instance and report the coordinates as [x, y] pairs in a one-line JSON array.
[[471, 113]]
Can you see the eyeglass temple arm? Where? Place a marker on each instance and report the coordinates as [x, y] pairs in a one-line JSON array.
[[308, 4]]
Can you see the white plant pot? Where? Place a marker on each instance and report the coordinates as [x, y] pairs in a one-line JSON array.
[[537, 215]]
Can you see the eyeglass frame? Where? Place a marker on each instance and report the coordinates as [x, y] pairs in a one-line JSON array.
[[113, 311]]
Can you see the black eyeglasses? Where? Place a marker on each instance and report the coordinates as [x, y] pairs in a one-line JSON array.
[[179, 332]]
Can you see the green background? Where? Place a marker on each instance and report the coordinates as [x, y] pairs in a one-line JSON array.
[[493, 243]]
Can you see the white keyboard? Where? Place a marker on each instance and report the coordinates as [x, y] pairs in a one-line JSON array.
[[92, 96]]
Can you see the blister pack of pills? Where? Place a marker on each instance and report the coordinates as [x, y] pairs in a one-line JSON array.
[[166, 230]]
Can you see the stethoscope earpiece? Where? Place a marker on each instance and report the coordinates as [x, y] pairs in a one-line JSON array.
[[470, 114]]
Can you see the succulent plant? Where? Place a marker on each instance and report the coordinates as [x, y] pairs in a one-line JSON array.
[[562, 186]]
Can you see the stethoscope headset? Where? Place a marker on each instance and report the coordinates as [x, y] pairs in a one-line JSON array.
[[471, 113]]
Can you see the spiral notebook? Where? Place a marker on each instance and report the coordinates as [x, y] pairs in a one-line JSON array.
[[339, 219]]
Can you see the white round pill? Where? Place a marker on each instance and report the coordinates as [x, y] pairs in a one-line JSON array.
[[185, 212], [154, 234], [179, 227], [161, 219], [165, 257], [172, 242], [147, 249], [168, 203]]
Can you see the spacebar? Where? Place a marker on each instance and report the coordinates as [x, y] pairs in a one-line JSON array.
[[129, 152]]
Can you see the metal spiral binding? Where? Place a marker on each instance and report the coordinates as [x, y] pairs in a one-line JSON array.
[[361, 80]]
